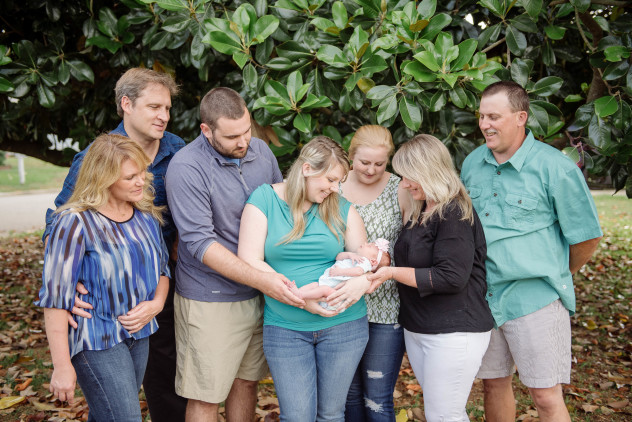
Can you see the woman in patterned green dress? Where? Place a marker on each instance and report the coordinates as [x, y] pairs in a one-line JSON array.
[[377, 196]]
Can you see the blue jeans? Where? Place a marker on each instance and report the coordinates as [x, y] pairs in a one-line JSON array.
[[312, 370], [110, 380], [371, 393]]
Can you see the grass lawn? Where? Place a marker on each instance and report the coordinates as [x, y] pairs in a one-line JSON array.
[[602, 339], [38, 175]]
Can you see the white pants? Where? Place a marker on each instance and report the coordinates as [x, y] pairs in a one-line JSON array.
[[445, 366]]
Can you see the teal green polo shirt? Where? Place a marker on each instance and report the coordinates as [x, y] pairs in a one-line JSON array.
[[532, 208]]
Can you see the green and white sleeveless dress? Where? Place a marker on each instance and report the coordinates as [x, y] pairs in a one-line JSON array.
[[383, 218]]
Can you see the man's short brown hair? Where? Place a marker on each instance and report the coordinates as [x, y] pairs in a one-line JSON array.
[[136, 79], [221, 102], [517, 96]]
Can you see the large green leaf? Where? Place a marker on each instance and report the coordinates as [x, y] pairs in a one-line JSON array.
[[313, 101], [419, 72], [373, 64], [437, 23], [80, 71], [331, 55], [533, 7], [605, 106], [599, 134], [45, 96], [6, 85], [555, 32], [411, 115], [616, 70], [177, 23], [339, 13], [104, 42], [459, 97], [516, 41], [466, 51], [380, 92], [265, 26], [547, 86], [427, 8], [520, 71], [616, 53], [387, 108], [303, 122], [173, 5], [428, 59], [538, 120], [495, 6], [222, 42]]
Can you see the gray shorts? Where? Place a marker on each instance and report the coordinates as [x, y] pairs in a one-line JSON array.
[[539, 344]]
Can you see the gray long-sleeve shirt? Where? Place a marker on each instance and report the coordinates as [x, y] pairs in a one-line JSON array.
[[207, 194]]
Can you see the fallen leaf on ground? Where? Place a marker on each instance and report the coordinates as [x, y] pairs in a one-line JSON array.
[[9, 401]]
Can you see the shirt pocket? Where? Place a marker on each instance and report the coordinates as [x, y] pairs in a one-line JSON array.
[[519, 210], [475, 193]]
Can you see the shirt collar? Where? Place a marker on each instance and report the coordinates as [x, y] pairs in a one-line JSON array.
[[517, 160], [224, 160], [164, 149]]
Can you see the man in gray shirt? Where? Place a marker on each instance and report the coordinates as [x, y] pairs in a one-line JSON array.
[[218, 305]]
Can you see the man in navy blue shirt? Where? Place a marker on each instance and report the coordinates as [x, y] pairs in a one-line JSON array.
[[143, 101]]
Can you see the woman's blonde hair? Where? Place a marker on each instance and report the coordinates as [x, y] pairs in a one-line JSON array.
[[322, 154], [372, 136], [101, 168], [426, 161]]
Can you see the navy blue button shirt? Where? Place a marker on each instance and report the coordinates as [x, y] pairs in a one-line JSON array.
[[169, 145]]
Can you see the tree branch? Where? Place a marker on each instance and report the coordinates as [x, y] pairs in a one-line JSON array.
[[496, 44]]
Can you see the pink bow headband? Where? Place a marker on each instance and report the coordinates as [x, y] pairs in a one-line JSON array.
[[382, 246]]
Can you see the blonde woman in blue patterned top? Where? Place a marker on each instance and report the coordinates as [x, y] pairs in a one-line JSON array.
[[377, 196], [107, 237]]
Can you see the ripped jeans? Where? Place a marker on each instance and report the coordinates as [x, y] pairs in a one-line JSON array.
[[370, 397]]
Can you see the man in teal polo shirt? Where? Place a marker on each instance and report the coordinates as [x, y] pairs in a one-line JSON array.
[[541, 227]]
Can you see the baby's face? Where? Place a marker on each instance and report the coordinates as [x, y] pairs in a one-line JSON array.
[[368, 250]]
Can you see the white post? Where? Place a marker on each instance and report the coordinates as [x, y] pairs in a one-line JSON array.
[[21, 172]]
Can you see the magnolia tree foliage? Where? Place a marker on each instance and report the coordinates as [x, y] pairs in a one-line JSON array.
[[308, 67]]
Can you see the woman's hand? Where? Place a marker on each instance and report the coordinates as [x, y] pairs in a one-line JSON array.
[[379, 277], [312, 306], [62, 383], [140, 315], [348, 293]]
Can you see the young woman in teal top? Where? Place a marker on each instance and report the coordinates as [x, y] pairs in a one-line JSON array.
[[297, 228]]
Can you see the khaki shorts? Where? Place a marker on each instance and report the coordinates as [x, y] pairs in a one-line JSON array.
[[217, 342], [540, 345]]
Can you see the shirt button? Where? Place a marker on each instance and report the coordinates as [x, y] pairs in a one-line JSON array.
[[520, 201], [490, 294], [498, 172], [495, 194], [486, 214], [564, 286]]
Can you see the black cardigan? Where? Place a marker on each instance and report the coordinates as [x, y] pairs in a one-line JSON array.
[[448, 256]]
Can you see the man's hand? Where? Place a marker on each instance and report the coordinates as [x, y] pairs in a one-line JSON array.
[[314, 307], [79, 306], [275, 285], [140, 315]]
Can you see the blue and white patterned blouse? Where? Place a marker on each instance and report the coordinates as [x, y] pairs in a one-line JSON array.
[[120, 263]]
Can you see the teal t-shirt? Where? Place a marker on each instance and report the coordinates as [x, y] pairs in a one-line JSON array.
[[302, 261]]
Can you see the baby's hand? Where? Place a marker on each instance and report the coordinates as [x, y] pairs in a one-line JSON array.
[[355, 258]]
